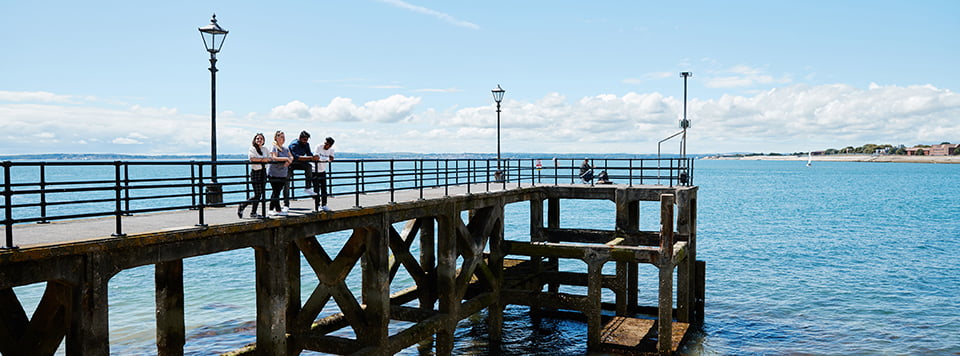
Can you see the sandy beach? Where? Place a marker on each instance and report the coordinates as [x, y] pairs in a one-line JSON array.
[[848, 158]]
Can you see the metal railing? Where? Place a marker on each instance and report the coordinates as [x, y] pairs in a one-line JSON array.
[[40, 192]]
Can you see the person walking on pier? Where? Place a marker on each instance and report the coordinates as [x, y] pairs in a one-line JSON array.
[[325, 154], [277, 173], [258, 155], [302, 159]]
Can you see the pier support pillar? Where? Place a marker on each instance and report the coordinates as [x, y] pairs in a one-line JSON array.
[[89, 327], [169, 298], [447, 279], [375, 265], [495, 263], [273, 297], [687, 275], [665, 299], [628, 221]]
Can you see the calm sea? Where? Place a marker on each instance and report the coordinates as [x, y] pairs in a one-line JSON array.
[[835, 259]]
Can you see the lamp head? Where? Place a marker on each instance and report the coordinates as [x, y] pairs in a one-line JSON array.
[[498, 94], [213, 35]]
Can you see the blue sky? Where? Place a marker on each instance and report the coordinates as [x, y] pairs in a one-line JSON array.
[[415, 76]]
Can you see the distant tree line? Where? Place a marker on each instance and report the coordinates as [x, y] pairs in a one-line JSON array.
[[870, 149]]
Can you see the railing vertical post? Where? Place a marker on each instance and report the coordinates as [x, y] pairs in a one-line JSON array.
[[392, 179], [8, 206], [630, 171], [118, 211], [420, 178], [356, 182], [446, 177], [202, 200], [43, 193]]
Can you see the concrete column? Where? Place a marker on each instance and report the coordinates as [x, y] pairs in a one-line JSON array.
[[628, 221], [553, 222], [686, 270], [376, 284], [665, 298], [169, 298], [495, 311], [273, 296], [428, 260], [447, 278], [89, 327]]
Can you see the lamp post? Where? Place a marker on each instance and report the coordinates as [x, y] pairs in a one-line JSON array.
[[213, 36], [684, 176], [498, 97], [684, 124]]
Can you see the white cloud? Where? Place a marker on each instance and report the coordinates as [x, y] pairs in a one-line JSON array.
[[442, 16], [785, 119], [391, 109]]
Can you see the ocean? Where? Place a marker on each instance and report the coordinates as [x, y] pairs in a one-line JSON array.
[[841, 258]]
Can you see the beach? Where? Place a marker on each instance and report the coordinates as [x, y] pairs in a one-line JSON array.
[[846, 158]]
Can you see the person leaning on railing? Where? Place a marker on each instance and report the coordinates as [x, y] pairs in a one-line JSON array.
[[277, 174], [258, 155], [302, 160]]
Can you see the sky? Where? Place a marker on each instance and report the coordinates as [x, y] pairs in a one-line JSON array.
[[383, 76]]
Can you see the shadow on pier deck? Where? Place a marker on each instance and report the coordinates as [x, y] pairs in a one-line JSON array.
[[464, 264]]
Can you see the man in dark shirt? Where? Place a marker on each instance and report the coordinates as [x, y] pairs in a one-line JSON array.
[[302, 158]]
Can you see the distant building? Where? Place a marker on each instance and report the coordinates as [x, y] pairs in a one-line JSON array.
[[934, 150], [943, 150]]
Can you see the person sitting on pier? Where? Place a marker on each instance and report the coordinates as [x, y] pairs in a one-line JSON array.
[[603, 178], [277, 174], [325, 153], [302, 157], [586, 172]]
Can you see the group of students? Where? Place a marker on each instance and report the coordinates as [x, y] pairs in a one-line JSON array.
[[276, 163]]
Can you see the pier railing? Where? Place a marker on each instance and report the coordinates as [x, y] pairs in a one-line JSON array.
[[41, 192]]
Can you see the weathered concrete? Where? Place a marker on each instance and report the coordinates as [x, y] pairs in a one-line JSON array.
[[77, 271]]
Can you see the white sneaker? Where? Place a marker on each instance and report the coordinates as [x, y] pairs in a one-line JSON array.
[[285, 210], [325, 208], [273, 213], [309, 191], [283, 213]]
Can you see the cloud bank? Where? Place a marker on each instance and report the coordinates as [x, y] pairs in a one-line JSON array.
[[784, 119]]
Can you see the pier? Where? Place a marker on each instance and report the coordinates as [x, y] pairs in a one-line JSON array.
[[441, 223]]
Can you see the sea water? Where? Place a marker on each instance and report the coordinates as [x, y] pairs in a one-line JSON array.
[[841, 258]]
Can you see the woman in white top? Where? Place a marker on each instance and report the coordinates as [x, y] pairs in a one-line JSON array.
[[258, 155], [277, 173]]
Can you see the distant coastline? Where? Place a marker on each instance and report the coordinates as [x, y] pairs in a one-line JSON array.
[[845, 158]]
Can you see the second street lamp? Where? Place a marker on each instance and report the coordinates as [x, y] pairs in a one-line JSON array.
[[213, 36], [498, 97]]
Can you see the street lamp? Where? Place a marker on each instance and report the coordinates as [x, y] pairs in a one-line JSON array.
[[213, 36], [684, 124], [684, 176], [498, 97]]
